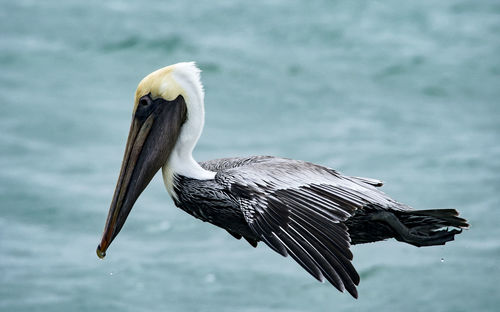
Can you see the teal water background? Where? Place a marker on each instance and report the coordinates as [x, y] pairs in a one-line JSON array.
[[407, 92]]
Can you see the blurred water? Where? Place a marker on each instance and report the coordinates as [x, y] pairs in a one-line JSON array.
[[407, 92]]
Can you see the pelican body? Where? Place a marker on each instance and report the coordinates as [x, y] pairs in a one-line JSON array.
[[297, 208]]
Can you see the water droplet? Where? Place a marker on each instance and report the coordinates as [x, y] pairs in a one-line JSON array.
[[110, 273], [442, 260]]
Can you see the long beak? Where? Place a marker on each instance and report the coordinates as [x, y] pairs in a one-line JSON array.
[[152, 137]]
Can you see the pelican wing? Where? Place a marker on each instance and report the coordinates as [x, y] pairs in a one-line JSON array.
[[297, 209]]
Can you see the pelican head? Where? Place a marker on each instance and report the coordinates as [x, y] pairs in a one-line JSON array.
[[167, 121]]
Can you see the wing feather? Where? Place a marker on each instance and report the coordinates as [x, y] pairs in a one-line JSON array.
[[300, 255], [336, 241], [270, 239], [326, 267], [339, 260], [298, 208]]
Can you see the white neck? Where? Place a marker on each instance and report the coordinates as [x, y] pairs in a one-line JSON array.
[[181, 161]]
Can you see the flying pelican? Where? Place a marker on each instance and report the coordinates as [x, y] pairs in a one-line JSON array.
[[297, 208]]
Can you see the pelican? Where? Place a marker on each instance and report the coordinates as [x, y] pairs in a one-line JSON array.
[[299, 209]]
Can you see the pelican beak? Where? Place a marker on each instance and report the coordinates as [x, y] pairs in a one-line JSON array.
[[155, 127]]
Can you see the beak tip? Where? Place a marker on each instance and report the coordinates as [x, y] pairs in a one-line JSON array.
[[100, 253]]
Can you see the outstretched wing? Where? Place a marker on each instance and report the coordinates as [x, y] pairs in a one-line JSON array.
[[297, 209]]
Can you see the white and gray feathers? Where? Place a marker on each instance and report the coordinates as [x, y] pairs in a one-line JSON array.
[[298, 208]]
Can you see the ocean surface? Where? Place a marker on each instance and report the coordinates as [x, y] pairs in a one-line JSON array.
[[407, 92]]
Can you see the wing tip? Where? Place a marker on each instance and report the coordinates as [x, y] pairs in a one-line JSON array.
[[353, 292]]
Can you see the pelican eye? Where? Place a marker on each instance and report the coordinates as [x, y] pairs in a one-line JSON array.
[[145, 106], [145, 101]]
